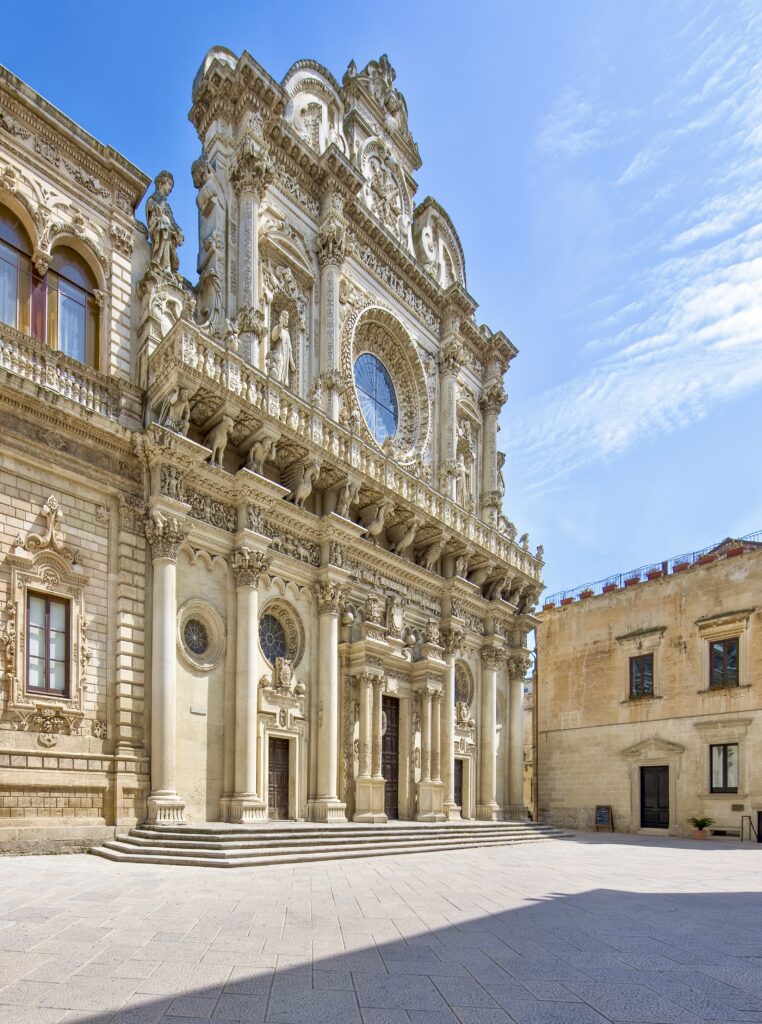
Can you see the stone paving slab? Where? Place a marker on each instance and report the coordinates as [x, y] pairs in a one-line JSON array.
[[602, 929]]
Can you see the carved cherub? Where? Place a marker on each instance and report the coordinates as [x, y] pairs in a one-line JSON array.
[[261, 451], [217, 440], [175, 412]]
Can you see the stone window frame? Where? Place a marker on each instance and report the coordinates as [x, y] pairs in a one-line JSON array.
[[714, 733], [638, 643], [195, 608], [725, 626], [50, 574]]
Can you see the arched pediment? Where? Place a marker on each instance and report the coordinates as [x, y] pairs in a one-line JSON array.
[[437, 245]]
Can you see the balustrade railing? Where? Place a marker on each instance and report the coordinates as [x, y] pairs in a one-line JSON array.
[[211, 362], [53, 371]]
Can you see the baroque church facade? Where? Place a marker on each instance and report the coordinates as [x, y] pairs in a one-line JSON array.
[[253, 557]]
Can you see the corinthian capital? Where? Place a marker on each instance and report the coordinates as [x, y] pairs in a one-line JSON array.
[[165, 534], [253, 168], [493, 398], [451, 358], [248, 566], [452, 640], [491, 656], [329, 598], [331, 241]]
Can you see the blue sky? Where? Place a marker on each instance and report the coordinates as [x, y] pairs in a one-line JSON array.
[[602, 163]]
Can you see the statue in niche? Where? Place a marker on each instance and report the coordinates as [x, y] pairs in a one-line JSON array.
[[461, 482], [211, 243], [176, 411], [164, 233], [280, 358]]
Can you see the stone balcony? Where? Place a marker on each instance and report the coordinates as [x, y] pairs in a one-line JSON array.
[[223, 383], [36, 368]]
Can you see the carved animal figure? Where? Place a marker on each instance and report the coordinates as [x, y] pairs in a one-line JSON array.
[[432, 554], [300, 479], [496, 588], [408, 536], [261, 451], [375, 524], [217, 440], [347, 497]]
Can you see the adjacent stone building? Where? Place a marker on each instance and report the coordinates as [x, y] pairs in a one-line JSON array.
[[648, 696], [253, 557]]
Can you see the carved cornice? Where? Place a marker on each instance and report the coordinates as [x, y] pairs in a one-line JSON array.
[[248, 566]]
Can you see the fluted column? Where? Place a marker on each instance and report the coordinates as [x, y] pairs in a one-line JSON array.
[[487, 808], [248, 802], [452, 640], [516, 737], [436, 751], [366, 725], [331, 250], [378, 690], [251, 173], [327, 806], [450, 362], [492, 401], [165, 534]]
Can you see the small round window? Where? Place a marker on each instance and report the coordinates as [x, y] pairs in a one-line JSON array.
[[378, 399], [196, 636], [272, 638]]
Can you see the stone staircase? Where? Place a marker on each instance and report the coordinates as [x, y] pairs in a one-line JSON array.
[[229, 846]]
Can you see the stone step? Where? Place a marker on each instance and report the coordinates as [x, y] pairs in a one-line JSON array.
[[125, 852], [225, 846]]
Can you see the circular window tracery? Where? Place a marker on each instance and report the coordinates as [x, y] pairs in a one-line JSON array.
[[377, 395], [196, 636], [272, 638]]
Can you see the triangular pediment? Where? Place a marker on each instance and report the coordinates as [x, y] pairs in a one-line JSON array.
[[652, 748]]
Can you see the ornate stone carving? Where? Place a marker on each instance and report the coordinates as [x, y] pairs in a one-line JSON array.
[[253, 169], [431, 632], [408, 536], [52, 539], [210, 510], [165, 533], [172, 483], [432, 554], [121, 239], [165, 235], [300, 478], [452, 639], [348, 495], [331, 241], [493, 398], [217, 440], [211, 233], [280, 358], [287, 543], [373, 517], [261, 451], [248, 566], [330, 595], [491, 656]]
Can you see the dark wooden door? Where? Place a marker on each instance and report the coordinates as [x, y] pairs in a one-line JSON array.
[[390, 755], [654, 797], [278, 778], [458, 781]]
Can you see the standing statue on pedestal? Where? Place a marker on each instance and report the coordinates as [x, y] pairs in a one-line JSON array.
[[280, 358], [166, 236]]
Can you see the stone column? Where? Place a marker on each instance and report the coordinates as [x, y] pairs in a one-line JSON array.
[[436, 750], [327, 806], [487, 807], [369, 784], [247, 803], [426, 735], [378, 690], [492, 401], [251, 173], [516, 742], [165, 534], [450, 362], [331, 251], [452, 640]]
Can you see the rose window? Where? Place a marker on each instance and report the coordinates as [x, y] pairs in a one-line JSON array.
[[378, 399], [196, 636], [272, 638]]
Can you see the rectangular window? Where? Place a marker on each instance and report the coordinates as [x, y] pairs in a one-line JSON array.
[[47, 644], [723, 662], [642, 676], [723, 768]]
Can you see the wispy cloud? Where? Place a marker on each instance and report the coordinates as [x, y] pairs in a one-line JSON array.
[[683, 331]]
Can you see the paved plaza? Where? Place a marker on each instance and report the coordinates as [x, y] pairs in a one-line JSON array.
[[585, 930]]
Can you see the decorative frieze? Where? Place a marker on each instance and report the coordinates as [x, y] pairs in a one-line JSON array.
[[209, 510]]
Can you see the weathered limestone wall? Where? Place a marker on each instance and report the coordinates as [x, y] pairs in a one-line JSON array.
[[593, 738]]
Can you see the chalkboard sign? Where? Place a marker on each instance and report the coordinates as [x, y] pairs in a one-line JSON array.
[[604, 819]]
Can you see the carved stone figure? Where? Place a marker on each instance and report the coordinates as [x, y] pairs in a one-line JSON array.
[[165, 235], [211, 255], [347, 497], [280, 358], [217, 440], [461, 482], [175, 412], [261, 451], [432, 554], [500, 478], [300, 479], [408, 536]]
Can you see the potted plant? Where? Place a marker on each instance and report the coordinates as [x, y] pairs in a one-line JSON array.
[[700, 827], [681, 566], [586, 593], [608, 587]]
